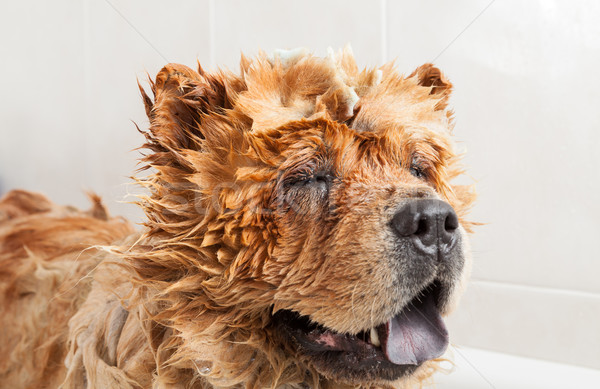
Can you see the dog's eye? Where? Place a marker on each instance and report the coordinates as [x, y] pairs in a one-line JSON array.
[[417, 171], [303, 193], [321, 180]]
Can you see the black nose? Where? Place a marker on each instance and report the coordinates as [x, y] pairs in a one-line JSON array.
[[431, 224]]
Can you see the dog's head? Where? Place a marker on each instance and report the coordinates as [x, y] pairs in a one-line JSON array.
[[302, 223]]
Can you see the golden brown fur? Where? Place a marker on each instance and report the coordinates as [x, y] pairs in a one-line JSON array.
[[188, 303]]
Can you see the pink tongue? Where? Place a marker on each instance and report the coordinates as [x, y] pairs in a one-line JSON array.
[[416, 335]]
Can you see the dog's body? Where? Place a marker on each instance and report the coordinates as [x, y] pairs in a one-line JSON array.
[[302, 232]]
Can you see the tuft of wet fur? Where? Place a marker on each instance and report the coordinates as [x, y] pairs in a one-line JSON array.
[[188, 302]]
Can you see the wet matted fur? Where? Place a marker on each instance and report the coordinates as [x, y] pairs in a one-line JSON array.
[[271, 243]]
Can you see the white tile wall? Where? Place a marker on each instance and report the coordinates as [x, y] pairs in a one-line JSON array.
[[122, 43], [243, 26], [525, 95], [41, 99], [545, 323]]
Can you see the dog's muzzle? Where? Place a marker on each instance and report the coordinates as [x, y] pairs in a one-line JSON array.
[[431, 225]]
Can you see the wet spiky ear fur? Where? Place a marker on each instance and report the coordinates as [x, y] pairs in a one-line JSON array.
[[182, 97], [430, 76], [183, 131]]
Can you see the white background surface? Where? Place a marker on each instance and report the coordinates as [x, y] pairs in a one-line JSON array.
[[480, 369], [527, 111]]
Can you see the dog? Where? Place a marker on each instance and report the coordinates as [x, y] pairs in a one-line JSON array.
[[301, 231]]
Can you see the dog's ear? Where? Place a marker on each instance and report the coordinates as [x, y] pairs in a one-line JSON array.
[[429, 76], [182, 97]]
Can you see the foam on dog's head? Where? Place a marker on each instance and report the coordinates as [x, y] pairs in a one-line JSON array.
[[292, 85], [287, 57]]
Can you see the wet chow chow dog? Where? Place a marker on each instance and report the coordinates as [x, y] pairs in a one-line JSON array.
[[302, 231]]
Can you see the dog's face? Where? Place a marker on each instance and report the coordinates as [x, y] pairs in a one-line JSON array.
[[372, 253], [330, 237]]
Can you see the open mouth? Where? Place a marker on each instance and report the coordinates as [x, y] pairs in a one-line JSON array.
[[390, 350]]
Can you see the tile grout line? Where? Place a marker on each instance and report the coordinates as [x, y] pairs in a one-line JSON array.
[[87, 84], [384, 40], [541, 289], [212, 20]]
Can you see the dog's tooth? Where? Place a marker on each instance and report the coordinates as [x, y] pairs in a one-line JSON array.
[[375, 338]]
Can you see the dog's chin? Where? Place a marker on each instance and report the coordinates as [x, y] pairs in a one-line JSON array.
[[388, 352]]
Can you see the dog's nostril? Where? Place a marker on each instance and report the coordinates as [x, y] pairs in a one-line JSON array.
[[422, 227], [451, 222]]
